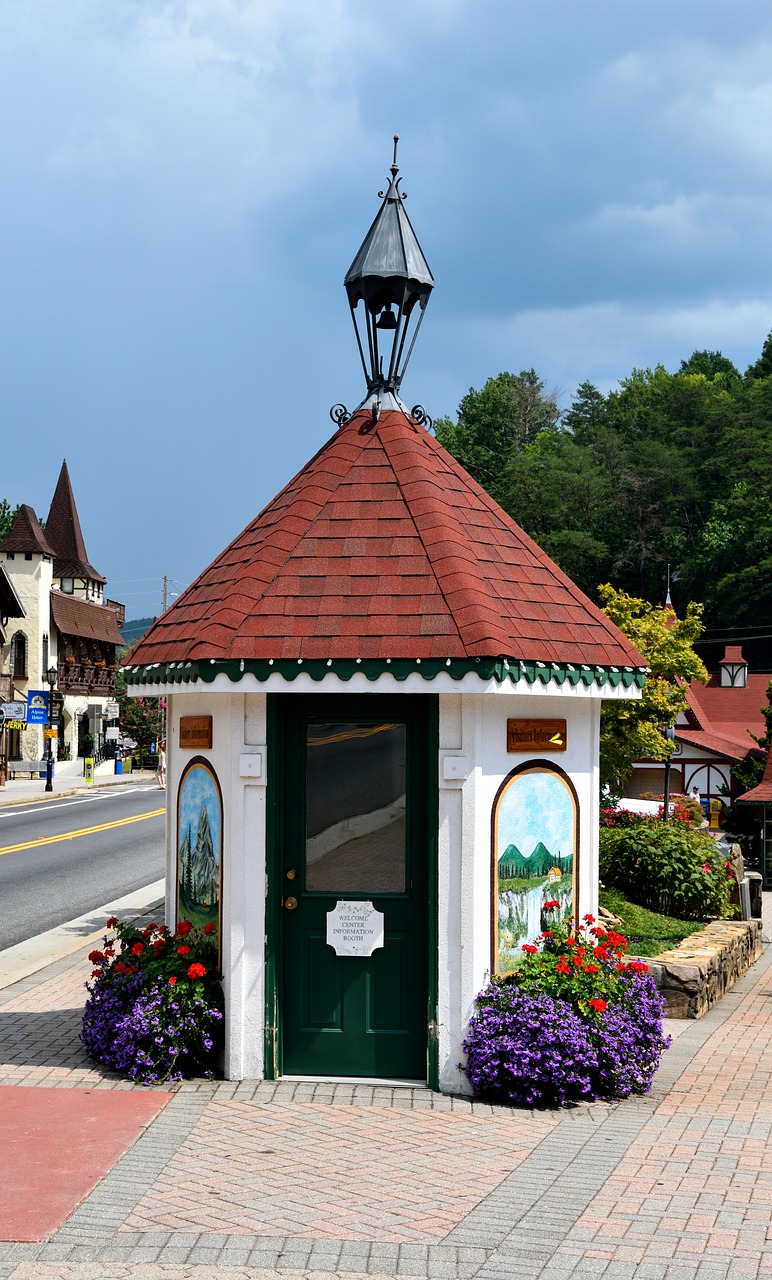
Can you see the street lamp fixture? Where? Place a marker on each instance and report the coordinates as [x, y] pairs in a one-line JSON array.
[[50, 676]]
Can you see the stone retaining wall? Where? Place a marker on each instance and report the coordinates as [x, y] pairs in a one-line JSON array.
[[697, 973]]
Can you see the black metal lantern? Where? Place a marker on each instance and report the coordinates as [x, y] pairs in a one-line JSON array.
[[391, 278]]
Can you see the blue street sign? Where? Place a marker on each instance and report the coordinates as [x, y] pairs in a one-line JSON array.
[[37, 706]]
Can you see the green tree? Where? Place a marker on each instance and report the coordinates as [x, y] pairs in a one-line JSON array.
[[7, 516], [496, 423], [761, 368], [141, 718], [633, 730]]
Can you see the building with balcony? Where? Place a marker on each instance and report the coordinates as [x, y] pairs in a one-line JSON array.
[[66, 625]]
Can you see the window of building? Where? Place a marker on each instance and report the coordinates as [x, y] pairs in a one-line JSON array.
[[66, 585], [19, 656]]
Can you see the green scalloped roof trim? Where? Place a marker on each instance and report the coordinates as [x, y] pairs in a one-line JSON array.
[[499, 669]]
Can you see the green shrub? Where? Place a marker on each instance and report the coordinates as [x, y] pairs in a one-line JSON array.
[[667, 867]]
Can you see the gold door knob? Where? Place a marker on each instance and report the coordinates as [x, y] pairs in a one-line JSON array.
[[290, 903], [291, 874]]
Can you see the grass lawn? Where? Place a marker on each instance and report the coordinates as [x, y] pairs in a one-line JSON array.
[[647, 933]]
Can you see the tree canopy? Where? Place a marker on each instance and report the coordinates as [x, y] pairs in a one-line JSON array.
[[632, 730], [665, 469]]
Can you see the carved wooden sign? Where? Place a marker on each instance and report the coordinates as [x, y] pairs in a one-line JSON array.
[[196, 733], [527, 736]]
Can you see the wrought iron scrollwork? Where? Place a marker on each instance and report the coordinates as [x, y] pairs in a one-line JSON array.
[[339, 414], [419, 415]]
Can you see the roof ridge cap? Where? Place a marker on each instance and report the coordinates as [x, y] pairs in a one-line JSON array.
[[427, 552]]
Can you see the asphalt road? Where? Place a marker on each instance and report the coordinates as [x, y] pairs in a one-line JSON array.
[[67, 856]]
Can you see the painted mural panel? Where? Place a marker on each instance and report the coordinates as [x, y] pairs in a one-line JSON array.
[[199, 846], [535, 857]]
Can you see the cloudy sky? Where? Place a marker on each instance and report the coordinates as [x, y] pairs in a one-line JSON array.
[[186, 182]]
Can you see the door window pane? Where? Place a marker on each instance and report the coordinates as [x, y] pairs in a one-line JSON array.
[[355, 808]]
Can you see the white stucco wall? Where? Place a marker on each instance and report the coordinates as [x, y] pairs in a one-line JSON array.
[[474, 728], [32, 583], [472, 745], [239, 730]]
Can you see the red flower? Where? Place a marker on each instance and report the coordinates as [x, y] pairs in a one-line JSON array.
[[591, 968], [562, 967], [577, 959], [529, 948], [163, 929], [570, 942], [183, 951], [637, 966], [547, 933], [172, 980], [210, 928], [138, 948], [112, 922], [589, 919], [109, 951], [196, 971], [120, 967], [95, 956], [96, 973], [550, 906], [600, 1005], [183, 928], [159, 946]]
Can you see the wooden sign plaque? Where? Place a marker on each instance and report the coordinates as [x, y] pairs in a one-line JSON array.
[[196, 733], [527, 736]]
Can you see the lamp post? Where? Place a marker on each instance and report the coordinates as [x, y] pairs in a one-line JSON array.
[[51, 678]]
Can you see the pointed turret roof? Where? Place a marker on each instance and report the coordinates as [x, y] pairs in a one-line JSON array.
[[26, 535], [64, 533], [383, 547], [391, 246]]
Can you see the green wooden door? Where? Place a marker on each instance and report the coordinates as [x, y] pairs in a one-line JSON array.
[[353, 827]]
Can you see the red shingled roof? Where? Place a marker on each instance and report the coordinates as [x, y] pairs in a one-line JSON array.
[[384, 547], [723, 718]]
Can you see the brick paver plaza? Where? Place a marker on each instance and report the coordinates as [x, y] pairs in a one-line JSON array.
[[302, 1180]]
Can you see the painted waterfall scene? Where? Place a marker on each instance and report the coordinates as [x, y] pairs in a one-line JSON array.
[[199, 844], [534, 857]]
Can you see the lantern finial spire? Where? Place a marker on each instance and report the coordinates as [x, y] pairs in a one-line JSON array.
[[389, 275]]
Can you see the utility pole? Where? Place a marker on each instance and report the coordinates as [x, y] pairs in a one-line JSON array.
[[166, 594]]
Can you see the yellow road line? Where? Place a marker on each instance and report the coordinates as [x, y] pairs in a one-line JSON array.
[[84, 831]]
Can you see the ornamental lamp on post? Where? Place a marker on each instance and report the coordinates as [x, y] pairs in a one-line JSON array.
[[391, 278], [50, 676]]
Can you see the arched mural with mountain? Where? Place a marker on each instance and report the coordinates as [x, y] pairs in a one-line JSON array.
[[199, 846], [535, 857]]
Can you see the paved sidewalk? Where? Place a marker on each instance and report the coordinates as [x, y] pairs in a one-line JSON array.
[[68, 780], [259, 1180]]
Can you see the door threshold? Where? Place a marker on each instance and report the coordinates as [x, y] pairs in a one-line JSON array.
[[381, 1081]]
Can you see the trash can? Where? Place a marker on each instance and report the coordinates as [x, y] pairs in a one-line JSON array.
[[118, 765], [754, 893]]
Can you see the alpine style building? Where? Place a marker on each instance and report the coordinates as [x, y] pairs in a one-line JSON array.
[[63, 624]]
